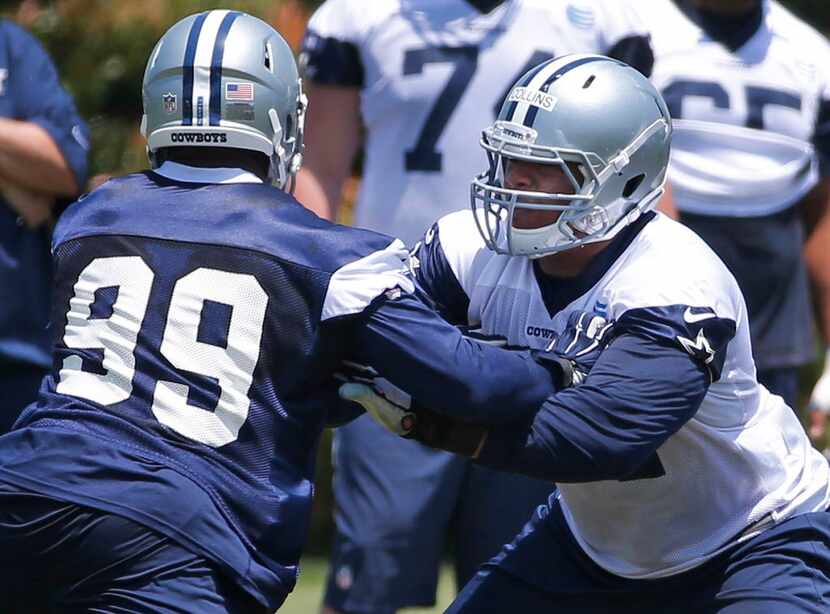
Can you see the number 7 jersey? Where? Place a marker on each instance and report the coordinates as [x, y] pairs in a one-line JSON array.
[[432, 74]]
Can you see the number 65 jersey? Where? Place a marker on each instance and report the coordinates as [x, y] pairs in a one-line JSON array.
[[431, 75]]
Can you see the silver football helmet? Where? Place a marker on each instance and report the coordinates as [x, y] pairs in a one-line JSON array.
[[608, 129], [225, 79]]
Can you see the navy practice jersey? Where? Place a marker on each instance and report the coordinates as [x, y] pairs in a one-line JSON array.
[[30, 91], [669, 443], [197, 326]]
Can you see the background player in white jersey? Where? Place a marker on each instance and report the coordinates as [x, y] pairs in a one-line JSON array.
[[748, 87], [415, 80], [684, 485]]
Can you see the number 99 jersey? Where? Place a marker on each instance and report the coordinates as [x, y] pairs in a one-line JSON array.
[[196, 327], [432, 74]]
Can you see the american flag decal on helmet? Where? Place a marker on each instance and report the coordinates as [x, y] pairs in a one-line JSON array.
[[239, 92]]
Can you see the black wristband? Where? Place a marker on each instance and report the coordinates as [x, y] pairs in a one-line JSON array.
[[443, 433], [561, 369]]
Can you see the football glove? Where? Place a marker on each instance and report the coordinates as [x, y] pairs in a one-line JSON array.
[[385, 402], [428, 427]]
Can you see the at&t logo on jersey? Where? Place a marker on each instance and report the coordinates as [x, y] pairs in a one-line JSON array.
[[199, 137]]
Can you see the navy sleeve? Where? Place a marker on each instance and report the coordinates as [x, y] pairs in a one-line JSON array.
[[821, 136], [39, 98], [611, 427], [698, 331], [329, 61], [635, 51], [411, 346], [435, 276]]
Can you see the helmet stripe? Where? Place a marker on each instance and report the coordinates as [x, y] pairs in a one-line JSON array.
[[216, 68], [511, 108], [530, 116], [187, 74], [202, 63]]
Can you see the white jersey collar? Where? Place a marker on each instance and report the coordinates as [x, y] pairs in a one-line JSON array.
[[195, 174]]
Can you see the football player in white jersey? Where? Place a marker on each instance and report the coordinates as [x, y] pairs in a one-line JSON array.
[[684, 485], [415, 80], [748, 87]]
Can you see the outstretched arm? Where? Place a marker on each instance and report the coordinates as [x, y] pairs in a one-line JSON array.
[[416, 350], [609, 428]]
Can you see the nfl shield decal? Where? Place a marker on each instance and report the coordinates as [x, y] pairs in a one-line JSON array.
[[168, 102]]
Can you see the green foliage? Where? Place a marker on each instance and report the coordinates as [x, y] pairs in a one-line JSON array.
[[100, 48]]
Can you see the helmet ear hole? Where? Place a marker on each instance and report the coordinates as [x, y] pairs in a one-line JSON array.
[[267, 59], [289, 125], [632, 185]]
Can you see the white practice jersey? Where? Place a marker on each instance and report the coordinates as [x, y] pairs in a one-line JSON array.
[[745, 119], [432, 75], [740, 464]]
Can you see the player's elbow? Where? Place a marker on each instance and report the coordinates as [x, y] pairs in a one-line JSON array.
[[623, 463]]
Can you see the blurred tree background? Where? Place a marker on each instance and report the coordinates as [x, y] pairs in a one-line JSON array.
[[100, 48]]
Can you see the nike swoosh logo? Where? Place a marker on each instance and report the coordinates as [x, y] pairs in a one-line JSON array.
[[691, 318]]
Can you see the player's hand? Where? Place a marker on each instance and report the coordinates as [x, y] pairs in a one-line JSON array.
[[392, 417], [818, 426], [35, 209], [577, 349], [428, 427], [381, 399], [819, 404]]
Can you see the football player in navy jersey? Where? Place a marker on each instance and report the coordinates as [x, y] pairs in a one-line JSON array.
[[198, 319], [683, 484], [413, 81], [748, 86], [43, 159]]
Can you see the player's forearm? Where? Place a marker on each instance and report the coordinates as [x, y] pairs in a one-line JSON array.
[[332, 139], [318, 196], [30, 159], [420, 353], [610, 427], [815, 208]]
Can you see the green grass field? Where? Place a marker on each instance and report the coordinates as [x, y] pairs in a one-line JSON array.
[[306, 597]]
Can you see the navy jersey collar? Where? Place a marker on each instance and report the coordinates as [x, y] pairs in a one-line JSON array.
[[559, 293], [732, 31], [485, 6], [194, 174]]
